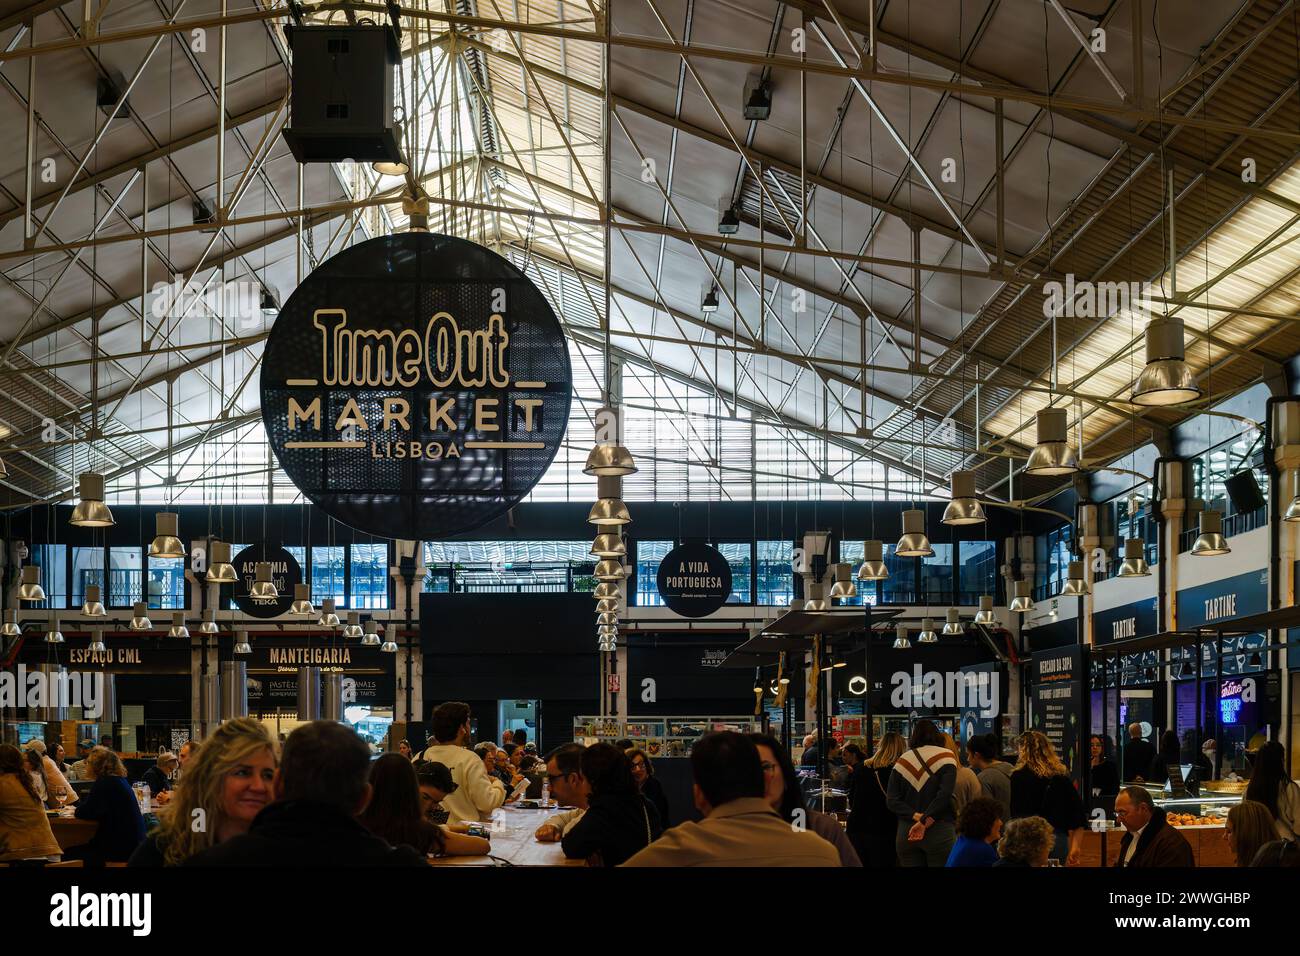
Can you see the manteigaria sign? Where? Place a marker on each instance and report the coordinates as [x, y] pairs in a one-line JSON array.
[[694, 579], [416, 386]]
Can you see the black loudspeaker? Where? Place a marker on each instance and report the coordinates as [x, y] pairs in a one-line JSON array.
[[342, 95], [1244, 492]]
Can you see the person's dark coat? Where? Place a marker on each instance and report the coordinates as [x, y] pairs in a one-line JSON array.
[[872, 825], [654, 792], [1160, 846], [1052, 798], [293, 833], [1137, 758], [1105, 777], [157, 780], [614, 828], [112, 804]]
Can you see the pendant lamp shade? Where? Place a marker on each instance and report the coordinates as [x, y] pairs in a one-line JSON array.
[[241, 643], [610, 570], [263, 587], [165, 543], [140, 617], [52, 633], [91, 512], [609, 461], [953, 623], [1292, 512], [388, 647], [30, 587], [609, 545], [1211, 542], [914, 543], [97, 641], [1053, 454], [927, 635], [302, 600], [220, 570], [209, 625], [609, 510], [1076, 585], [1166, 379], [607, 605], [1134, 564], [371, 636], [843, 586], [327, 616], [606, 590], [1022, 602], [10, 626], [609, 617], [901, 641], [178, 628], [985, 614], [963, 508], [353, 628], [873, 563], [93, 606]]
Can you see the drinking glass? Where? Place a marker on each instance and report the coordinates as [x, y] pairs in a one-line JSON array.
[[60, 796]]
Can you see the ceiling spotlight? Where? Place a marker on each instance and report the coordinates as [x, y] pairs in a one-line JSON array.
[[927, 635], [263, 588], [178, 628], [985, 614], [608, 545], [710, 301], [209, 625], [220, 570], [301, 600], [1211, 542], [269, 303], [30, 589], [97, 641], [953, 623], [901, 642], [389, 167], [10, 626], [914, 543], [371, 636], [729, 222], [353, 628], [327, 616], [165, 543], [203, 215], [1134, 564], [610, 569], [140, 617], [93, 606], [241, 643], [1053, 454], [91, 512], [844, 586], [963, 508], [1076, 585], [52, 634], [610, 461], [758, 98], [1166, 379], [873, 564], [1021, 601]]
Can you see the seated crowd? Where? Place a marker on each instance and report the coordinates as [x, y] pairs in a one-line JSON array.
[[321, 799]]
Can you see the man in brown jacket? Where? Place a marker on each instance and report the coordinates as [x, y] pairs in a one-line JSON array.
[[739, 827], [1149, 840]]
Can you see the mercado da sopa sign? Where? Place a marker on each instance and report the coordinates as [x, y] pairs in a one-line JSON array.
[[416, 386]]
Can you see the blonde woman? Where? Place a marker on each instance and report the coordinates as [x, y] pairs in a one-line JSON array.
[[226, 784], [1041, 786], [872, 825], [1249, 827], [1025, 842]]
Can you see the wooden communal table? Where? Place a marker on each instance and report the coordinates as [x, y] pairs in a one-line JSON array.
[[513, 841], [70, 832]]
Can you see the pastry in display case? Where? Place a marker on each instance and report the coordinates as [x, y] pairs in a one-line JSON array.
[[1209, 809]]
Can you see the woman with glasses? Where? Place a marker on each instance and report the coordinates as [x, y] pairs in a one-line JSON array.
[[643, 772], [784, 795]]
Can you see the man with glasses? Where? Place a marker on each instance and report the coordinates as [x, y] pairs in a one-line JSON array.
[[1149, 840], [569, 787]]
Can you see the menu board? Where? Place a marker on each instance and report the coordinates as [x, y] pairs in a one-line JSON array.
[[1058, 704]]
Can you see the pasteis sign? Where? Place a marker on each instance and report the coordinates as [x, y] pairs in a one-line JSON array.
[[416, 386]]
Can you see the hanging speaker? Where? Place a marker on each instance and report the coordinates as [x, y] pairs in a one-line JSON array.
[[1243, 490]]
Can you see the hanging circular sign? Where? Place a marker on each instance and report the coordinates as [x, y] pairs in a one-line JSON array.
[[416, 386], [694, 579], [285, 573]]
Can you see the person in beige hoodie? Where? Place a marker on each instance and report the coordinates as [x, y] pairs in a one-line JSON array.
[[968, 784]]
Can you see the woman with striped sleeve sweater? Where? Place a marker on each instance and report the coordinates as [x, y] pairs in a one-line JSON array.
[[920, 793]]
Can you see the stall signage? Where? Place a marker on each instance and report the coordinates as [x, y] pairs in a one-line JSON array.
[[1058, 703], [416, 386], [281, 693], [285, 574], [694, 579], [1125, 622], [274, 655], [1220, 601], [159, 656]]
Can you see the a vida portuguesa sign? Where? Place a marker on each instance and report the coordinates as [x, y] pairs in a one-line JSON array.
[[416, 386], [694, 579]]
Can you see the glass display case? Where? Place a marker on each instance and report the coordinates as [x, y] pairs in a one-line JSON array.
[[1209, 809], [658, 736]]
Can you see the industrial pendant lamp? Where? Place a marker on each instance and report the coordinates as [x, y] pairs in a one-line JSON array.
[[816, 600], [963, 508], [1053, 454], [608, 545], [953, 624], [606, 646], [93, 606], [371, 636], [609, 461], [220, 570], [91, 512], [901, 642], [140, 617], [97, 641], [606, 590], [1134, 564], [985, 614], [178, 628], [797, 604], [914, 543], [10, 626], [710, 301], [30, 589], [209, 625], [301, 600], [1293, 509], [327, 616], [353, 628], [607, 630], [1021, 601], [607, 617], [52, 634], [1166, 379], [843, 586], [927, 635], [263, 587], [1076, 585], [165, 543], [1211, 542], [609, 510], [389, 646], [873, 564], [607, 605], [609, 570], [241, 643]]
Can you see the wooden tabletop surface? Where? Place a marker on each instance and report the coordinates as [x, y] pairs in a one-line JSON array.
[[513, 841]]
